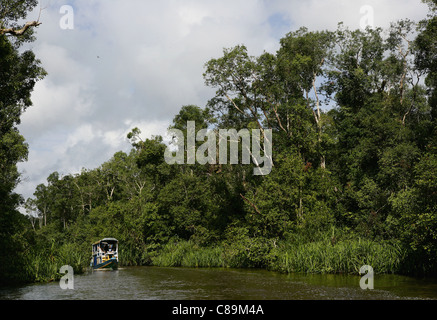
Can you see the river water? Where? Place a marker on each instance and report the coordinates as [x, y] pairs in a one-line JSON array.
[[148, 283]]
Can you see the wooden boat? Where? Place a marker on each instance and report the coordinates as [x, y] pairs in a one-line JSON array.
[[105, 254]]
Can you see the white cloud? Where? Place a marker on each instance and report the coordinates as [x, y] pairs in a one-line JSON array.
[[319, 15]]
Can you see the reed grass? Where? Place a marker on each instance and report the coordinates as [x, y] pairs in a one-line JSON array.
[[343, 257], [347, 256], [208, 257], [186, 254], [43, 265]]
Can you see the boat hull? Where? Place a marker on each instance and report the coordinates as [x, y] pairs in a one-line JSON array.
[[109, 264]]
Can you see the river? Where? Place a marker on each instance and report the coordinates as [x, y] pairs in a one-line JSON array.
[[149, 283]]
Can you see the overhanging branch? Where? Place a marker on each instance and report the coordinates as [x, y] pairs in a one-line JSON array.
[[21, 31]]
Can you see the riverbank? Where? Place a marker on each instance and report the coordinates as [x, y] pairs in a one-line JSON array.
[[315, 257], [322, 254]]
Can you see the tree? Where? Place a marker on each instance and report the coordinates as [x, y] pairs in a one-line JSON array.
[[301, 64], [42, 202], [416, 206], [426, 53], [381, 121], [11, 11], [18, 74]]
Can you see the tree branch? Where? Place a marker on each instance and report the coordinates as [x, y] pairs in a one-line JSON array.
[[21, 31], [250, 203]]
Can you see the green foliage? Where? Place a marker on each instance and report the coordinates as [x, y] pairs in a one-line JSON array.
[[19, 72], [342, 257], [294, 194], [241, 251], [188, 254], [351, 184], [44, 264]]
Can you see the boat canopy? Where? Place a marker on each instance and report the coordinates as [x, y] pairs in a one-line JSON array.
[[105, 245], [106, 240]]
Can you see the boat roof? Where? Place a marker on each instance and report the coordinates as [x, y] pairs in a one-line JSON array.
[[106, 239], [109, 239]]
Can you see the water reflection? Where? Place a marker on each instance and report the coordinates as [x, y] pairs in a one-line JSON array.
[[218, 284]]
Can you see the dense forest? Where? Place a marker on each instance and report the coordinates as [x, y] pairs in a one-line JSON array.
[[354, 180]]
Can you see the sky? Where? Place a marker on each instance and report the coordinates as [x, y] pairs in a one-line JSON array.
[[115, 65]]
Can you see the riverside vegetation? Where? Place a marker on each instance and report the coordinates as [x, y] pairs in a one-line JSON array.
[[354, 177]]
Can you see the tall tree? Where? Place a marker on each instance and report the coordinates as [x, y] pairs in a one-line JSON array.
[[18, 75]]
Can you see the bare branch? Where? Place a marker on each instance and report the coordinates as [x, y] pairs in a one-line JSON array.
[[21, 31], [233, 103], [275, 110], [250, 203]]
